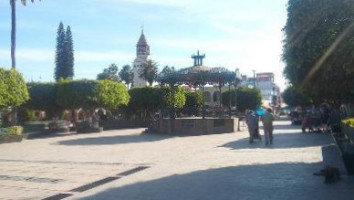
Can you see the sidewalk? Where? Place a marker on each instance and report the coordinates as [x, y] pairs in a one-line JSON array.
[[127, 165]]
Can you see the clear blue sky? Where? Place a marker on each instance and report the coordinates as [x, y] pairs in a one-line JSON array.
[[232, 33]]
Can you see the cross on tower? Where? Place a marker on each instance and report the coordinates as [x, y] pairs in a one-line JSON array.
[[198, 59]]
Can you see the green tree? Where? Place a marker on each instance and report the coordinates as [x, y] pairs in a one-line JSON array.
[[68, 70], [319, 49], [110, 73], [111, 94], [64, 56], [60, 53], [90, 94], [295, 98], [13, 89], [167, 70], [174, 98], [194, 102], [149, 72], [247, 98], [13, 30], [126, 74], [144, 101]]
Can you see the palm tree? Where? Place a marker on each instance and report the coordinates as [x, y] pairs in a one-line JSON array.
[[13, 29], [149, 72]]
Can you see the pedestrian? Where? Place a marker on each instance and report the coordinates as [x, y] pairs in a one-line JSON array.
[[252, 124], [267, 120]]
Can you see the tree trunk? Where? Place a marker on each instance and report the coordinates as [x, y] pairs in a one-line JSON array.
[[13, 33]]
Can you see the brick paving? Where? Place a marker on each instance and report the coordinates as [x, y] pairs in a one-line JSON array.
[[126, 164]]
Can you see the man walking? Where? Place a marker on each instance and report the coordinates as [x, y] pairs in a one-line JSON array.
[[267, 120]]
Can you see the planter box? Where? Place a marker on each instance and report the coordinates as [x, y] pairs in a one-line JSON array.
[[10, 138]]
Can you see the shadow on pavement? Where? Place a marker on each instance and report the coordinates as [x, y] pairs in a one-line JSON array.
[[286, 140], [119, 139], [269, 181]]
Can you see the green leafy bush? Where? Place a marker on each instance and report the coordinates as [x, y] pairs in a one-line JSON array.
[[13, 89], [15, 130], [349, 122]]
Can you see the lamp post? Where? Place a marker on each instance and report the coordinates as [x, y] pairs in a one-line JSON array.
[[238, 77]]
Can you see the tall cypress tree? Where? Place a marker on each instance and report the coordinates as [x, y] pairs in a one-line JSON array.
[[69, 55], [60, 52], [64, 57]]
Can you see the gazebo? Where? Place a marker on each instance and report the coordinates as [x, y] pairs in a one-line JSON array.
[[198, 76]]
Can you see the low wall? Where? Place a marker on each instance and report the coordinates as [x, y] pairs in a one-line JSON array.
[[197, 126], [122, 124]]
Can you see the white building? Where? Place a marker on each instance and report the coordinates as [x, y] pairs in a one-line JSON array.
[[142, 56]]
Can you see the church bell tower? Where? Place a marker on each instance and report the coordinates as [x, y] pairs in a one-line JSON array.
[[142, 56]]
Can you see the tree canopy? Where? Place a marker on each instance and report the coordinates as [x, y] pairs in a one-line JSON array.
[[295, 98], [149, 71], [89, 94], [64, 55], [126, 74], [148, 100], [110, 73], [43, 96], [13, 89], [319, 49], [194, 102], [247, 98]]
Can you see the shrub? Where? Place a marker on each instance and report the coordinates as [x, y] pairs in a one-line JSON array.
[[349, 122], [15, 130]]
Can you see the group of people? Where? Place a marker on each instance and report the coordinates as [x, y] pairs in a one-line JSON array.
[[323, 119], [252, 122]]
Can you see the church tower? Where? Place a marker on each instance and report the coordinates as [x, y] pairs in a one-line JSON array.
[[142, 56]]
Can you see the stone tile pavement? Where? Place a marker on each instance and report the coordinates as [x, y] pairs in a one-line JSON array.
[[126, 164]]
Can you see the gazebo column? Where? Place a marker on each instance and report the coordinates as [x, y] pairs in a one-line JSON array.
[[235, 86], [203, 109], [220, 98]]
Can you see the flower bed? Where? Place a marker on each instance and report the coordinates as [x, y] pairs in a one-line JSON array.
[[11, 134]]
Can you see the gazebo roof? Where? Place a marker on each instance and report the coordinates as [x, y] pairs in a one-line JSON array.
[[194, 69], [200, 75]]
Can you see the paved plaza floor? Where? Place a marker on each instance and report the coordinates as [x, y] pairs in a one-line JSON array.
[[128, 165]]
